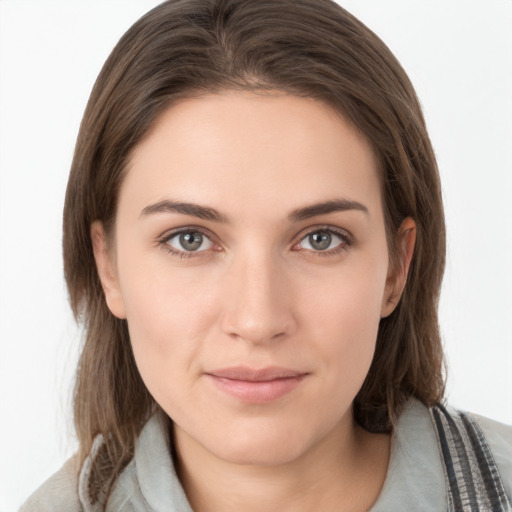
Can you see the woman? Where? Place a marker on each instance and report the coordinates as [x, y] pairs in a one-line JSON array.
[[254, 238]]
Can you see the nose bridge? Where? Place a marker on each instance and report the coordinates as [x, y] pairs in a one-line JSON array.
[[258, 308]]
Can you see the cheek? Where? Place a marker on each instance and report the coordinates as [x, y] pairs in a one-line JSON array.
[[168, 315], [344, 317]]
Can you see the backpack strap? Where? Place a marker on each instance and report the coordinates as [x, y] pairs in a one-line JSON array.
[[472, 478]]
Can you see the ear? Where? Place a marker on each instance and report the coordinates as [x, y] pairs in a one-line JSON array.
[[106, 266], [397, 275]]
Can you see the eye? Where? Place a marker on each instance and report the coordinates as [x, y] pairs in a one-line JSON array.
[[189, 241], [324, 240]]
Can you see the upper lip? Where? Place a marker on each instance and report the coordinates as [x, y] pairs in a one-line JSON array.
[[255, 375]]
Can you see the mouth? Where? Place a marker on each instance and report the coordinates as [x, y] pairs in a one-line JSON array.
[[256, 386]]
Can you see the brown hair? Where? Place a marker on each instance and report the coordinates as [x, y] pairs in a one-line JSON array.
[[311, 48]]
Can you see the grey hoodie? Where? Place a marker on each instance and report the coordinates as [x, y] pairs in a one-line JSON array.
[[414, 481]]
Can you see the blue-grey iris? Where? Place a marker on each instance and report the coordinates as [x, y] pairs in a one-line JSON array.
[[191, 241], [320, 240]]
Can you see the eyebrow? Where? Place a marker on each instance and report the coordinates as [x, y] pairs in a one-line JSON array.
[[195, 210], [207, 213], [335, 205]]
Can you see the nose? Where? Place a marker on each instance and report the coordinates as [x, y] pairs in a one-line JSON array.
[[258, 307]]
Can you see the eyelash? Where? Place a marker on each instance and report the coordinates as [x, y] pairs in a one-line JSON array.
[[163, 241], [346, 240], [345, 237]]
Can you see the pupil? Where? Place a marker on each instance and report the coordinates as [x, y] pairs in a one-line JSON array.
[[320, 240], [191, 241]]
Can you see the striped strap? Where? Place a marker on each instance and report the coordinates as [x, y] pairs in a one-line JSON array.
[[472, 478]]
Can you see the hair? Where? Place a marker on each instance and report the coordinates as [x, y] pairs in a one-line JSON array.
[[310, 48]]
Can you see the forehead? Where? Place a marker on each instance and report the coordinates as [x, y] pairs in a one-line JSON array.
[[252, 152]]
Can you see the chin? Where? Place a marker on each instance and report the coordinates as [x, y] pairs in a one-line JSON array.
[[262, 445]]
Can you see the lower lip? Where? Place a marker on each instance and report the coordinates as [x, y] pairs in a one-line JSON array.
[[259, 392]]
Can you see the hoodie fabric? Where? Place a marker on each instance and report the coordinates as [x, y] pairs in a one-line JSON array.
[[414, 481]]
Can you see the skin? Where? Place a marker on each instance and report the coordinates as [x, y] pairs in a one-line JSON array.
[[258, 292]]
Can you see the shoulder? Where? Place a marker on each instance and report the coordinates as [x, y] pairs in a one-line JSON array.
[[59, 492], [147, 482], [476, 453], [499, 438], [416, 479]]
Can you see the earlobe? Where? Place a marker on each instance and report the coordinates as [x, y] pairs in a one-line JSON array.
[[397, 278], [105, 265]]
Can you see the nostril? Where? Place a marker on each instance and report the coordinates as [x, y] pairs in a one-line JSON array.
[[257, 305], [245, 325]]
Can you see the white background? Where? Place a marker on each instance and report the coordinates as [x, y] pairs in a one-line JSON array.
[[457, 53]]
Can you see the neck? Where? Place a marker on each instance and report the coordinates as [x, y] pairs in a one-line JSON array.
[[345, 471]]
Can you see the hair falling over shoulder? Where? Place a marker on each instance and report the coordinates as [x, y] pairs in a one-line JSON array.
[[312, 48]]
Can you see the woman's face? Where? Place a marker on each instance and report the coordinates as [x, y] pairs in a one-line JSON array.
[[251, 264]]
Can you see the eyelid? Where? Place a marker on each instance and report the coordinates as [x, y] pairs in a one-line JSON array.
[[171, 233], [344, 234], [184, 229], [326, 227]]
